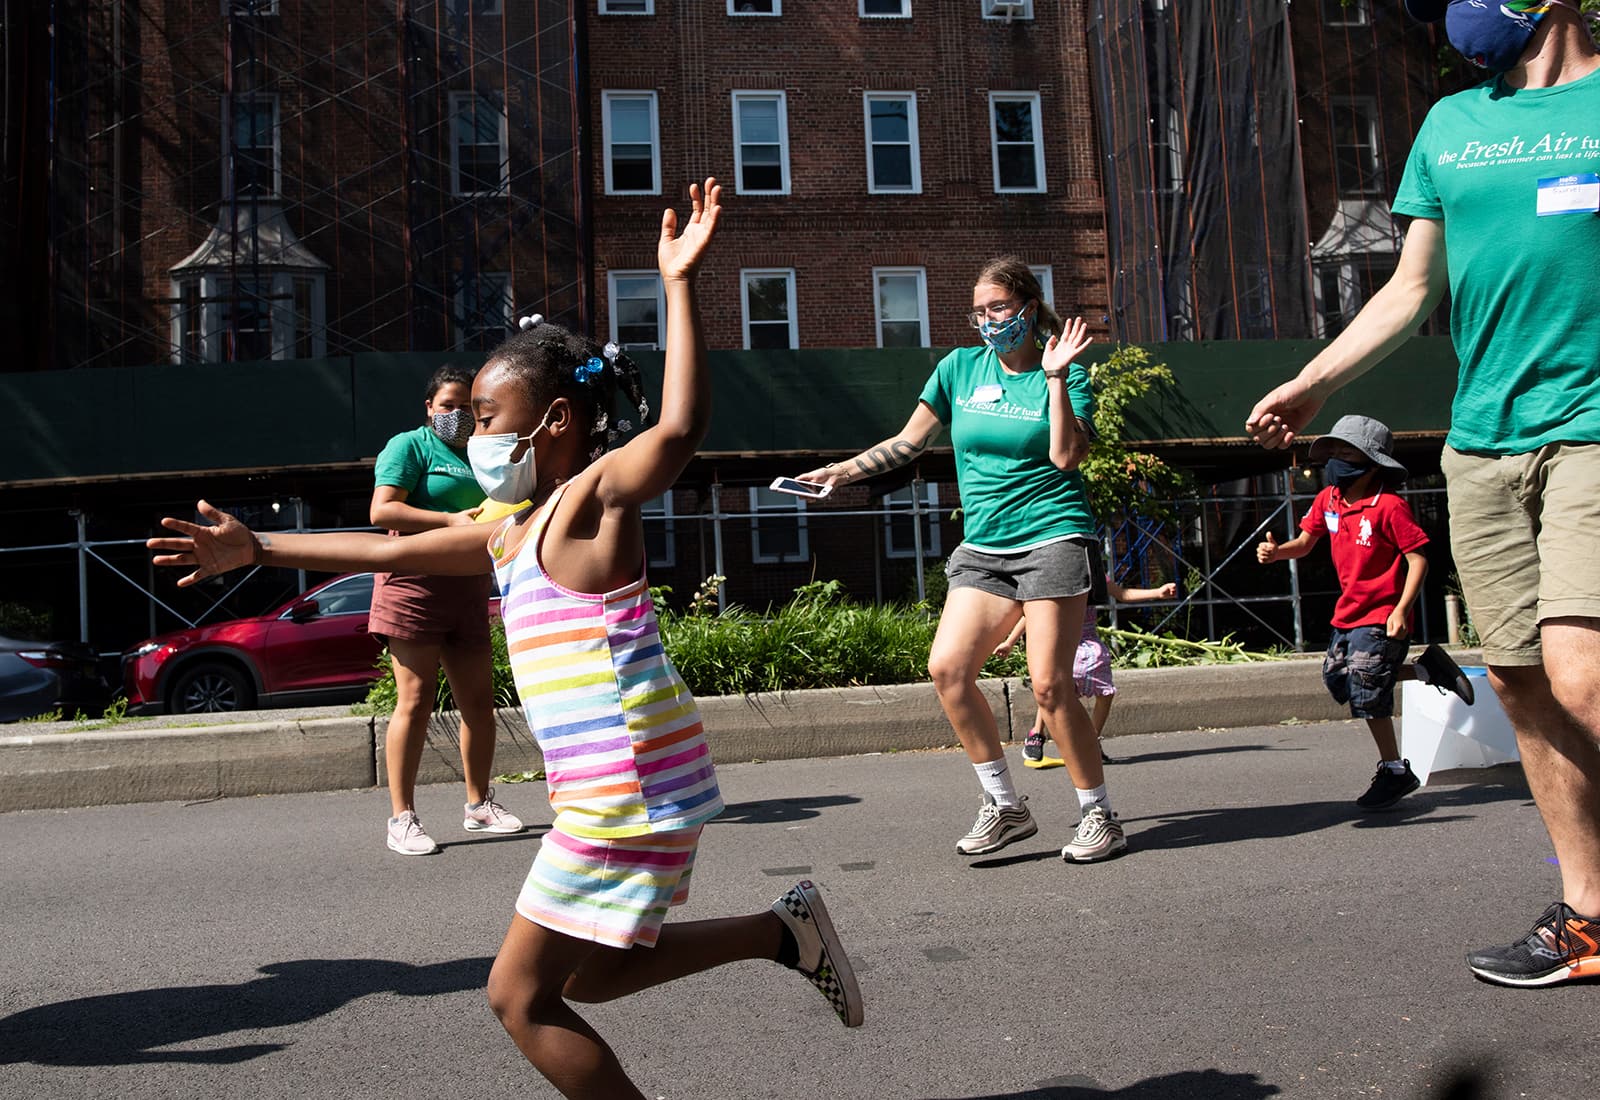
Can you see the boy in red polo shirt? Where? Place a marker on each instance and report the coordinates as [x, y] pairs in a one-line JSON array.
[[1377, 553]]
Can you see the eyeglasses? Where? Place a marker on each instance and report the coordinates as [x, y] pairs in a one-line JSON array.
[[998, 310]]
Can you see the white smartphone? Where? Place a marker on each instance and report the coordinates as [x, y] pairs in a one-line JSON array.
[[811, 490]]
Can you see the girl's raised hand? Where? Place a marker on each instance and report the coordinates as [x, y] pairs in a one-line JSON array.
[[1067, 345], [227, 544], [678, 254]]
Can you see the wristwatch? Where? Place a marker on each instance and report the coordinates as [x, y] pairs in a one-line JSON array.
[[1062, 373]]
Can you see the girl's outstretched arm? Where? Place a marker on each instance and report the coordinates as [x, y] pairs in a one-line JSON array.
[[648, 465], [228, 544]]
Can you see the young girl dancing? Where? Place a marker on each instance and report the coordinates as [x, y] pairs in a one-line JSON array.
[[629, 773]]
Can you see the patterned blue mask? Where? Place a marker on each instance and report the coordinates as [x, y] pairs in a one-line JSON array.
[[1007, 336]]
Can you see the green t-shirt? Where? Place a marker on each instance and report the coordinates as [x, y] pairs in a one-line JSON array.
[[1012, 497], [435, 476], [1525, 288]]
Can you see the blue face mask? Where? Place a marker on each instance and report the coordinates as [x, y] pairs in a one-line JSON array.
[[1492, 34], [1007, 336], [498, 476], [1342, 474]]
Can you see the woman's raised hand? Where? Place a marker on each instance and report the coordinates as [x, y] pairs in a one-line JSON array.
[[1067, 345], [678, 254], [226, 544]]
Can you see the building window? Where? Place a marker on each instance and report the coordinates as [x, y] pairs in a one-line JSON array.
[[1355, 146], [279, 315], [761, 143], [893, 160], [902, 306], [1346, 13], [885, 9], [627, 7], [769, 311], [478, 161], [482, 311], [1007, 9], [899, 537], [755, 7], [256, 155], [1343, 286], [638, 309], [777, 527], [1047, 284], [633, 155], [660, 532], [1166, 153], [1017, 142]]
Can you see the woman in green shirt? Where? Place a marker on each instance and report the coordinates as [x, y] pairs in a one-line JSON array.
[[1019, 411], [425, 481]]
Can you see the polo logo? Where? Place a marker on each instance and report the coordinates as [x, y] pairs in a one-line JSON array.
[[1364, 532]]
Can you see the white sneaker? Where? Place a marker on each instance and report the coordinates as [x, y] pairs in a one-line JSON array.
[[407, 838], [1099, 836], [996, 827], [822, 959], [489, 816]]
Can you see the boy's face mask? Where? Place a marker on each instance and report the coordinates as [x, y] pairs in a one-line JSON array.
[[1342, 473]]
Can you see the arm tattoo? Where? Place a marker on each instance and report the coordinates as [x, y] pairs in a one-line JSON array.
[[890, 455]]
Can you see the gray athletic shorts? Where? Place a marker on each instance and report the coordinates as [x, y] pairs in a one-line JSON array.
[[1055, 571]]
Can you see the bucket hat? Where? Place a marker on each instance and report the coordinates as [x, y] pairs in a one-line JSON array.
[[1371, 437]]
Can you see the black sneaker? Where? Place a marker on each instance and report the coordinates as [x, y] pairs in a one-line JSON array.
[[1033, 746], [1560, 947], [1436, 669], [1388, 788]]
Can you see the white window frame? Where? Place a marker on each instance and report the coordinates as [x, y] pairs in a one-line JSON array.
[[910, 99], [903, 13], [607, 99], [921, 274], [1032, 98], [1366, 110], [229, 184], [212, 285], [1349, 281], [777, 10], [661, 510], [1047, 282], [607, 9], [1008, 10], [457, 312], [739, 97], [757, 510], [1355, 13], [661, 306], [900, 501], [456, 99], [748, 273]]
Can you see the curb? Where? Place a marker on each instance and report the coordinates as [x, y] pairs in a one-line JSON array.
[[328, 750]]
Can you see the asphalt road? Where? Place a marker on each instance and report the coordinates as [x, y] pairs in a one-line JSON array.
[[1262, 938]]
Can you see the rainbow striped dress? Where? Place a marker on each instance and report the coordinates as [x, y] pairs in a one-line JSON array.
[[629, 773]]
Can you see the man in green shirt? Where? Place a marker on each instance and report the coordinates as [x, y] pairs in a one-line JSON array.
[[1503, 184]]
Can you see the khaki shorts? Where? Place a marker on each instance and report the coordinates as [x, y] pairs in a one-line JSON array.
[[1525, 532]]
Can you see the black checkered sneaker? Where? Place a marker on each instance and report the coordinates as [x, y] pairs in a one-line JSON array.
[[822, 957]]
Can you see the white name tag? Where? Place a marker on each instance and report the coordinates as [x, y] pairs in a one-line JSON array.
[[1570, 195], [988, 395], [1330, 520]]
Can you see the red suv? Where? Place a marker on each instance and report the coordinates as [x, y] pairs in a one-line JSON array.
[[313, 649]]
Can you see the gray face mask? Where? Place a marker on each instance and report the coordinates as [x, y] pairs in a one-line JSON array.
[[454, 427]]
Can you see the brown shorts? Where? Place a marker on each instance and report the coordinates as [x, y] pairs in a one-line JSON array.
[[1522, 529], [451, 611]]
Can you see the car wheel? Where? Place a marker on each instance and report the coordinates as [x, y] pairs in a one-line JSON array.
[[209, 688]]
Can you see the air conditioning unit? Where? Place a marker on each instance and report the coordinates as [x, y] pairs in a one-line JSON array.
[[1007, 9]]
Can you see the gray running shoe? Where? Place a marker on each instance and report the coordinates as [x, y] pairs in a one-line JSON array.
[[996, 827], [1099, 836]]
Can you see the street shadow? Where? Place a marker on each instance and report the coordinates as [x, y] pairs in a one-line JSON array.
[[1205, 1084], [532, 832], [775, 810], [119, 1029], [1184, 754], [1228, 824], [1014, 858]]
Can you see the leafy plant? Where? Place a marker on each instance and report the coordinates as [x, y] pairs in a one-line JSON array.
[[1115, 473]]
